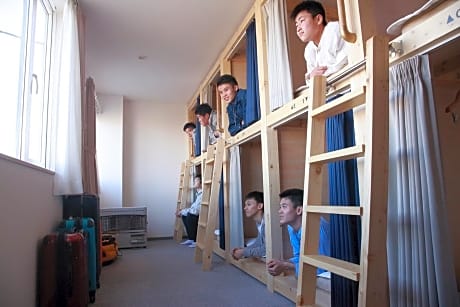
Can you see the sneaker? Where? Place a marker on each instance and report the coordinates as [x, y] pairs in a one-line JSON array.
[[192, 245], [188, 242]]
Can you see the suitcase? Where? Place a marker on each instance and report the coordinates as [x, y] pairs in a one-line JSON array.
[[63, 277], [84, 205], [86, 224]]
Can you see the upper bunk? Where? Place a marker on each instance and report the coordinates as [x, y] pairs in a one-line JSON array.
[[437, 25], [433, 25]]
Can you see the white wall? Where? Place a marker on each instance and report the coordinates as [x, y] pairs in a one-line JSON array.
[[140, 146], [28, 212], [154, 147], [109, 149]]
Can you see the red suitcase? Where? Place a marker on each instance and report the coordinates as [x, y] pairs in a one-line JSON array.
[[63, 274]]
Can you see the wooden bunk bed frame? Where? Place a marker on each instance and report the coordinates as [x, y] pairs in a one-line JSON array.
[[432, 29]]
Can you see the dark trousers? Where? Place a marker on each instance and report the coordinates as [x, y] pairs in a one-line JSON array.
[[191, 225]]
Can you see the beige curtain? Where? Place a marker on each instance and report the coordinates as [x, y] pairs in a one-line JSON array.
[[90, 184]]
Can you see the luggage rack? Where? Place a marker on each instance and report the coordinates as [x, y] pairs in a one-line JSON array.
[[127, 224]]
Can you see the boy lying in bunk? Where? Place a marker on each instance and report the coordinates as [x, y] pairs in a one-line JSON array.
[[208, 118], [253, 208], [235, 98], [325, 52], [291, 215], [189, 129]]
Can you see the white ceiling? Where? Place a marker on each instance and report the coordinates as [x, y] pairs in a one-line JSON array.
[[181, 40]]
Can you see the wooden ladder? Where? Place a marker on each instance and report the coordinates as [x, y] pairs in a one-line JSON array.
[[182, 196], [209, 204], [371, 273]]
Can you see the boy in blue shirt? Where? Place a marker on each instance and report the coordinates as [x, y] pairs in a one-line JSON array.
[[230, 93], [291, 215]]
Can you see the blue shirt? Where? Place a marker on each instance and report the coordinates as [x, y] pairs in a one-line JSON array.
[[236, 111], [295, 237], [323, 248]]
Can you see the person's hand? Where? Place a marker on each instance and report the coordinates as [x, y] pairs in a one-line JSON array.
[[317, 71], [275, 267], [237, 253], [178, 214]]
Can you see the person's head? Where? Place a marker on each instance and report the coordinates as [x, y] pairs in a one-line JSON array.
[[189, 128], [227, 86], [291, 207], [254, 204], [203, 112], [310, 20], [197, 182]]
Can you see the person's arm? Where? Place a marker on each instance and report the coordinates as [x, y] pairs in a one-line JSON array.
[[258, 248], [232, 118], [237, 253], [275, 266], [196, 206]]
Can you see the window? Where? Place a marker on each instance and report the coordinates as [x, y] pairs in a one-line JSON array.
[[25, 57]]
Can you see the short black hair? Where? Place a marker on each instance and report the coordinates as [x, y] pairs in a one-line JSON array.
[[312, 7], [189, 125], [226, 79], [203, 109], [258, 196], [294, 195]]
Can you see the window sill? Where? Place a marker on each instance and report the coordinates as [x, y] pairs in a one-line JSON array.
[[26, 164]]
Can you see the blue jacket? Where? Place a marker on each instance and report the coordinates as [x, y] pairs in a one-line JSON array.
[[236, 111]]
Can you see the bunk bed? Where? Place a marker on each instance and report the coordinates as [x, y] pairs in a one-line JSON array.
[[417, 36]]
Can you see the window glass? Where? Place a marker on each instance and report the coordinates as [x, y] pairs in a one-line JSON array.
[[12, 40]]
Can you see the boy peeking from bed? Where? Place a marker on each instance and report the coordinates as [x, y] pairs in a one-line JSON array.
[[253, 208]]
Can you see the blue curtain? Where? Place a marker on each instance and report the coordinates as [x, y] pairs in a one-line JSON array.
[[252, 113], [343, 190], [197, 133]]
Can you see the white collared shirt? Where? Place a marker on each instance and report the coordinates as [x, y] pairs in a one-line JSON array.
[[331, 50]]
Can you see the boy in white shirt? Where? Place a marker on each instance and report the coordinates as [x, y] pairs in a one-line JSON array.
[[325, 52]]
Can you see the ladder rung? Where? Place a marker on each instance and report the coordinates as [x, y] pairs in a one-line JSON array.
[[343, 268], [209, 161], [200, 245], [207, 181], [202, 224], [206, 203], [338, 155], [341, 104], [344, 210]]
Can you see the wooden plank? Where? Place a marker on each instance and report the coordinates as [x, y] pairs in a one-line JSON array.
[[343, 210], [428, 31], [373, 288], [341, 104], [289, 111], [183, 196], [245, 135], [313, 182], [213, 208], [338, 155], [343, 268], [253, 266]]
